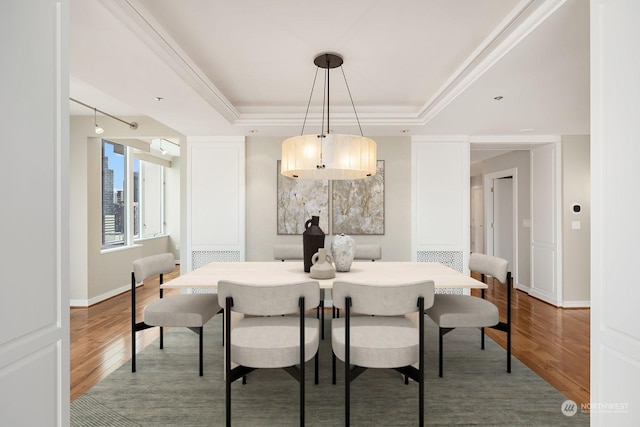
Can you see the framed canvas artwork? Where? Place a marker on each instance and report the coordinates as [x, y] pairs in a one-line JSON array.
[[298, 201], [358, 205]]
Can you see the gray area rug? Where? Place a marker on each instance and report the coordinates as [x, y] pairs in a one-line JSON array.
[[475, 390]]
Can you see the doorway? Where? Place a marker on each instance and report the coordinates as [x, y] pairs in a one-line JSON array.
[[501, 213]]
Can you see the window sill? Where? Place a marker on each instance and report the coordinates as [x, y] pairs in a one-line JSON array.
[[142, 239], [119, 248]]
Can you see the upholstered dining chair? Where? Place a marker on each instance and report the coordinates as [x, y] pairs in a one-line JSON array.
[[296, 253], [380, 336], [457, 311], [363, 253], [184, 310], [268, 336]]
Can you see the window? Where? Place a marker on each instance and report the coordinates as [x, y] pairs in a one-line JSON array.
[[145, 207], [151, 199], [114, 218]]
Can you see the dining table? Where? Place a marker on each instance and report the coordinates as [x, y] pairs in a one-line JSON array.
[[280, 272], [277, 272]]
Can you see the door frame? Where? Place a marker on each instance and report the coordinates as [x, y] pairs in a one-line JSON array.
[[487, 180]]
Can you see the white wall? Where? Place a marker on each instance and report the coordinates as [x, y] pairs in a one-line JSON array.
[[575, 242], [97, 275], [262, 154]]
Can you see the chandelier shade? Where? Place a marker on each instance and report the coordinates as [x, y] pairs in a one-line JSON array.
[[332, 156], [327, 155]]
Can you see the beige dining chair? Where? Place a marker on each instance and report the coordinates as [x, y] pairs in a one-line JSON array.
[[184, 310], [296, 253], [458, 311], [268, 335], [380, 336]]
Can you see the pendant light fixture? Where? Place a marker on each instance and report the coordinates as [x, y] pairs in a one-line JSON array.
[[328, 155]]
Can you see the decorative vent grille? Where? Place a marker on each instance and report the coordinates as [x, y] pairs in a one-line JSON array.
[[452, 259], [200, 258]]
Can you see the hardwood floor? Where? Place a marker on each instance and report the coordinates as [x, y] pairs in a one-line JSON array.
[[552, 342]]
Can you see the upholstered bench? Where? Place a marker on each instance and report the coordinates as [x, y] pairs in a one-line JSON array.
[[368, 252]]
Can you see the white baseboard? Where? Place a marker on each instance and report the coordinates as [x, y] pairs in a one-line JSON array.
[[105, 296], [543, 296], [576, 304]]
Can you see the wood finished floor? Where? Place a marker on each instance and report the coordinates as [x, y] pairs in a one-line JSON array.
[[552, 342]]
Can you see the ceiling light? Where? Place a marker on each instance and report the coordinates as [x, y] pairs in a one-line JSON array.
[[98, 129], [159, 98], [527, 130], [328, 155], [498, 98]]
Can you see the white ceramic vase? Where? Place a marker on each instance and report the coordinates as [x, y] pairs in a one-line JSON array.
[[322, 267], [343, 249]]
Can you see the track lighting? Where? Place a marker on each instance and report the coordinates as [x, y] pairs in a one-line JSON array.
[[98, 129]]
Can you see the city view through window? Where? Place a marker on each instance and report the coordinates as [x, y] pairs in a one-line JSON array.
[[114, 196]]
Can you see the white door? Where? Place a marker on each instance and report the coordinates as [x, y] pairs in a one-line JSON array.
[[477, 220], [34, 307], [615, 292], [544, 235], [503, 219]]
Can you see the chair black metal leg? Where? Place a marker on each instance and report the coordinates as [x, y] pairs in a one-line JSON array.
[[161, 337], [440, 358], [201, 333], [322, 318], [347, 363], [482, 338], [333, 368], [133, 322], [421, 363], [227, 361], [317, 367], [302, 360]]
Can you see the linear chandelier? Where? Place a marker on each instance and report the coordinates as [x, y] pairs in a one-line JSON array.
[[98, 129], [328, 155]]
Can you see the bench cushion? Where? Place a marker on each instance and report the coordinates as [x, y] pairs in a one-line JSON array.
[[273, 342], [453, 311], [188, 310], [377, 341]]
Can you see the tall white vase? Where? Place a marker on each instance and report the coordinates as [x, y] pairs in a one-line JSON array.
[[343, 249]]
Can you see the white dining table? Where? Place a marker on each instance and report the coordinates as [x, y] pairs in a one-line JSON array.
[[275, 272]]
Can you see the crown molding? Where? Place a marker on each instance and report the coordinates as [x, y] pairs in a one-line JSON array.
[[522, 20], [145, 27]]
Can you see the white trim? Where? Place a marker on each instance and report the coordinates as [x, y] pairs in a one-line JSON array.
[[514, 139], [493, 48], [576, 304], [85, 303], [144, 25]]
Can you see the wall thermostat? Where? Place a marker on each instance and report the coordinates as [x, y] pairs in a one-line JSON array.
[[576, 208]]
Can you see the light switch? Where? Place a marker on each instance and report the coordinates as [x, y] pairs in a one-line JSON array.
[[576, 225]]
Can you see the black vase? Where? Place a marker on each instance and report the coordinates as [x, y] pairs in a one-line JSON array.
[[312, 240]]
